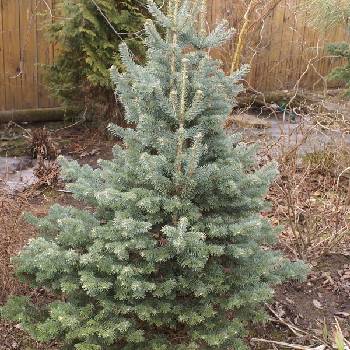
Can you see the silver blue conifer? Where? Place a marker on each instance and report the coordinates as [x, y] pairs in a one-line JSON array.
[[174, 254]]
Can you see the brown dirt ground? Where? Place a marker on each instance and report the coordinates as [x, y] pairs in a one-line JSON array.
[[309, 306]]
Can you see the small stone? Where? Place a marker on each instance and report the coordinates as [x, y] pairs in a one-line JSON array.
[[317, 304]]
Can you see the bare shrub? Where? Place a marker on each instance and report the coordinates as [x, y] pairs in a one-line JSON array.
[[311, 197], [41, 144], [45, 150], [47, 173]]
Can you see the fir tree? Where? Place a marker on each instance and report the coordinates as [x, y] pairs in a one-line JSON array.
[[174, 254], [88, 33]]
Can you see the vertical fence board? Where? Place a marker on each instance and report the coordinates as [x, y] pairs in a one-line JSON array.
[[2, 63], [53, 47], [12, 53], [28, 56], [43, 51]]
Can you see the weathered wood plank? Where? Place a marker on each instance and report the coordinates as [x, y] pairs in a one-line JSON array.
[[28, 53], [11, 27], [2, 62], [44, 50]]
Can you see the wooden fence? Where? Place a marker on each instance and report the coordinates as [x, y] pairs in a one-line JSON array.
[[23, 51], [281, 50]]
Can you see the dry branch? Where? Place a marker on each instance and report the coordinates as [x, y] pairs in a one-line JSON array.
[[261, 100], [236, 61]]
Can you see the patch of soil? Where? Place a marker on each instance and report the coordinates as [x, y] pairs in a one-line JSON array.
[[14, 233], [312, 306], [85, 145], [13, 338]]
